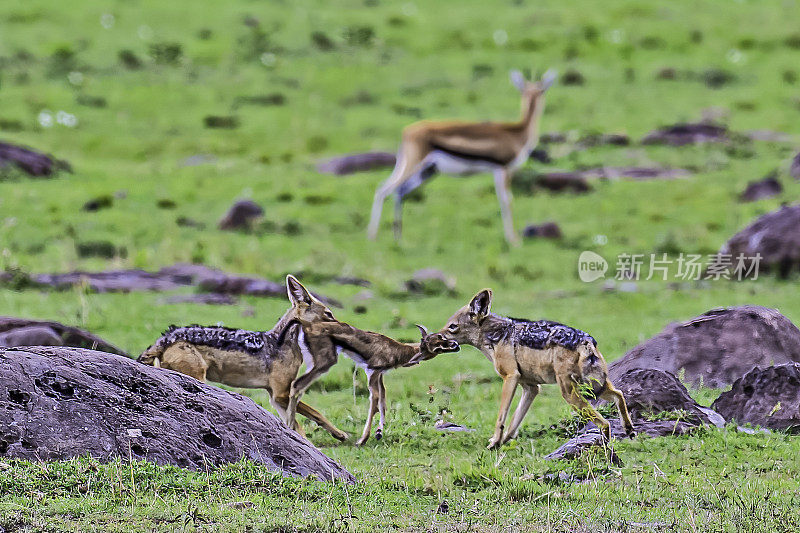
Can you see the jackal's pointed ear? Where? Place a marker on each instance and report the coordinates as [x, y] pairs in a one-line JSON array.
[[517, 80], [481, 304], [422, 330], [297, 293]]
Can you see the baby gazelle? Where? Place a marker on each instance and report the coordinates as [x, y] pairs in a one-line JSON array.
[[375, 353], [530, 353]]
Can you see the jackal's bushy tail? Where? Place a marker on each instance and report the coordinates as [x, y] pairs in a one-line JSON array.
[[593, 368]]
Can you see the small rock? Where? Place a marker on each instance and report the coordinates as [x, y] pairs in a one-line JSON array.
[[794, 170], [547, 230], [198, 159], [759, 190], [96, 204], [242, 215]]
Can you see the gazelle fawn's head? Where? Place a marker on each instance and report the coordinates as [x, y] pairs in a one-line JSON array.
[[465, 325], [532, 89], [306, 309], [431, 345]]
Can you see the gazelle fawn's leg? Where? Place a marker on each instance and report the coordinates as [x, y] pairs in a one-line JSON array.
[[569, 390], [525, 400], [381, 408], [506, 396], [373, 379], [613, 394], [502, 186]]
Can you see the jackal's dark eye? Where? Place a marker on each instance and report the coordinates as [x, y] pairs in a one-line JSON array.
[[328, 315], [452, 328]]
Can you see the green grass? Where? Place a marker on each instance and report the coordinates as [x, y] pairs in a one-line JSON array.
[[435, 60]]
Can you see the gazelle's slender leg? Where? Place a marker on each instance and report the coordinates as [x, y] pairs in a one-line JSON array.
[[374, 396], [381, 408], [525, 400], [502, 185], [383, 192]]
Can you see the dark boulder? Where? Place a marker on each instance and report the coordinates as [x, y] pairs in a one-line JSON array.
[[26, 332], [29, 161], [767, 397], [775, 236], [241, 215], [689, 133], [761, 189], [717, 347], [794, 169], [547, 230], [59, 403]]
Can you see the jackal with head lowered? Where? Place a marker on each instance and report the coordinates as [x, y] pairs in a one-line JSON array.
[[249, 359], [531, 353]]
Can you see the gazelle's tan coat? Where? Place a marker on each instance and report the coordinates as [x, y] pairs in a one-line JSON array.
[[463, 148]]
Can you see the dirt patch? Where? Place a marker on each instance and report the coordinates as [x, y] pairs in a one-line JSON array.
[[717, 347], [775, 237], [59, 403], [767, 397]]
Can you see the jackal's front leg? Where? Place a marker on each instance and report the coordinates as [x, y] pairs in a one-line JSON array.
[[526, 399], [506, 396]]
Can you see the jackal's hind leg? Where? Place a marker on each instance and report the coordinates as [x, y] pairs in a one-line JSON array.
[[317, 417], [185, 358], [570, 392], [612, 394]]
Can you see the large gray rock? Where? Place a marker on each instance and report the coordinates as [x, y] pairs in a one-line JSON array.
[[767, 397], [717, 347], [775, 236], [58, 403]]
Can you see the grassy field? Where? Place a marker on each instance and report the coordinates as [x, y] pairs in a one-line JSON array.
[[308, 80]]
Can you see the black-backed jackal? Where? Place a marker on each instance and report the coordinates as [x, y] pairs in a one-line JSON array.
[[249, 359], [532, 353]]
